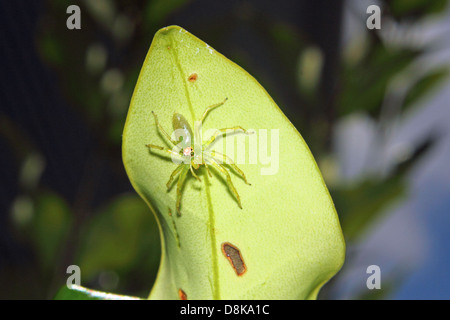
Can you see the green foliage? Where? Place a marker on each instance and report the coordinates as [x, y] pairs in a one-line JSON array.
[[81, 293], [365, 83], [122, 237], [424, 86], [97, 69], [51, 222], [415, 9]]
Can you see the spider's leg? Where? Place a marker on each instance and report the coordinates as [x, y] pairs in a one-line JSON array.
[[211, 108], [223, 158], [193, 173], [207, 169], [169, 151], [181, 179], [223, 131], [174, 143], [174, 173], [223, 170]]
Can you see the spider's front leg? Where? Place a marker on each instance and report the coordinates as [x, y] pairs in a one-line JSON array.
[[161, 129], [174, 155], [208, 109]]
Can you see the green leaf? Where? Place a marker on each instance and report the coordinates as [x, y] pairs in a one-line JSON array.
[[425, 86], [74, 292], [287, 233]]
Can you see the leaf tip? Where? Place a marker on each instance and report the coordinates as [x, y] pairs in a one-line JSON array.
[[169, 29]]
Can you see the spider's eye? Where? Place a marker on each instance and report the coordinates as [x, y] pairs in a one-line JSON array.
[[187, 151]]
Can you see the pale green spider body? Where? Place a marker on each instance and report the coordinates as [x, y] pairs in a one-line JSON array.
[[192, 158]]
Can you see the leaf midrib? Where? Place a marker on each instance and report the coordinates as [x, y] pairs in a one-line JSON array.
[[211, 217]]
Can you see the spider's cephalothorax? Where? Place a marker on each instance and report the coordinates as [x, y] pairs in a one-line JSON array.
[[191, 158]]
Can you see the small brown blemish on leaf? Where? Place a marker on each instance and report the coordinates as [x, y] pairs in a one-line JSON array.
[[182, 295], [193, 77], [233, 255]]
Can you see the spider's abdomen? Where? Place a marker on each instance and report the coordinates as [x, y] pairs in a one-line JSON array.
[[182, 129]]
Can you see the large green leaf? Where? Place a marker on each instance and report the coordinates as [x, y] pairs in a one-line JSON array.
[[287, 232]]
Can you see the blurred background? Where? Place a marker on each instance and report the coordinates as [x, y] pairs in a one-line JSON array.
[[373, 106]]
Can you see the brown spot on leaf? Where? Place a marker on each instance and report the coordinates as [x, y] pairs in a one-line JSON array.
[[182, 295], [193, 77], [233, 255]]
